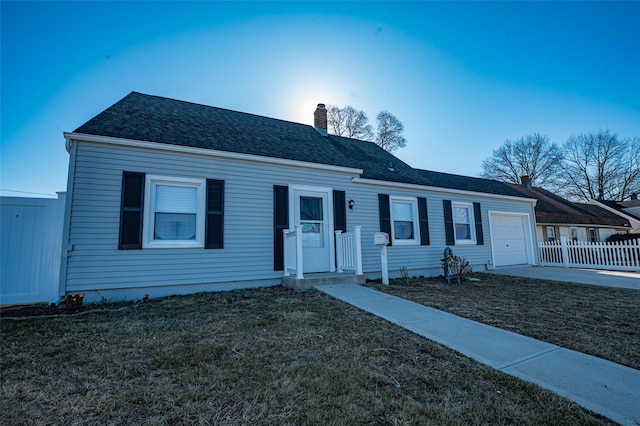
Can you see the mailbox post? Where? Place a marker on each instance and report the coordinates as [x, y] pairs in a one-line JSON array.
[[381, 239]]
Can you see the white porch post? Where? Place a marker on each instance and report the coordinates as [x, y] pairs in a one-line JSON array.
[[358, 249], [339, 253], [565, 251], [299, 252], [286, 252]]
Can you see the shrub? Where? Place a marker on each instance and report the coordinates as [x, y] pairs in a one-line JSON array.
[[457, 267], [622, 237]]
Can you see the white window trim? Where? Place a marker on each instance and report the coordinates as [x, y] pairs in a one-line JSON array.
[[149, 217], [416, 229], [472, 222], [547, 236]]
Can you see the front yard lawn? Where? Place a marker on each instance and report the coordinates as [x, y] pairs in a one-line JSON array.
[[254, 357], [600, 321]]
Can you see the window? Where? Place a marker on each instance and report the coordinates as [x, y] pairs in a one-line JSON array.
[[574, 234], [312, 221], [404, 217], [551, 234], [404, 213], [174, 212], [463, 223], [593, 235]]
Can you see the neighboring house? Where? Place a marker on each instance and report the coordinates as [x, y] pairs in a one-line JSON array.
[[557, 217], [629, 210], [171, 197]]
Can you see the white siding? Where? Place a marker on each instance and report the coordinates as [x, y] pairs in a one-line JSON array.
[[425, 260], [96, 265]]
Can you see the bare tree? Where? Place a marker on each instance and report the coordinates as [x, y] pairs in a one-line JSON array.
[[601, 166], [389, 132], [534, 156], [352, 123], [349, 122]]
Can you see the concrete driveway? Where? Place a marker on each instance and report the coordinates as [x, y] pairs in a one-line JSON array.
[[581, 276]]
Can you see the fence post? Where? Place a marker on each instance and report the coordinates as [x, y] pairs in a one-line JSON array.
[[285, 249], [299, 262], [358, 248], [565, 251], [339, 252]]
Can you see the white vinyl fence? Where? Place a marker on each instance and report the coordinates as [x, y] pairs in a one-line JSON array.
[[621, 256], [30, 249]]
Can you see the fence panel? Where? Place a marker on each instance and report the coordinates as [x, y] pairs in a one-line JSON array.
[[30, 249], [623, 255]]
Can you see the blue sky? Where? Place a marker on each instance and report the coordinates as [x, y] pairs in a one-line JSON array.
[[462, 77]]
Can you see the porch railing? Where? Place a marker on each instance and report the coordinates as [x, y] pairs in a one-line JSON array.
[[349, 251], [293, 251], [623, 255]]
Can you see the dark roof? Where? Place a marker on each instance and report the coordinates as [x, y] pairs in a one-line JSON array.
[[622, 205], [553, 209], [466, 183], [156, 119]]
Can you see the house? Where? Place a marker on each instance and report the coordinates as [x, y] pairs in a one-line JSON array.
[[628, 210], [557, 217], [171, 197]]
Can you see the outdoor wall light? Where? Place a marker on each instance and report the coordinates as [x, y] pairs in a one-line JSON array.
[[351, 204]]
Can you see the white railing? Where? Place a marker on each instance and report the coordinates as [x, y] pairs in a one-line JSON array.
[[348, 251], [293, 251], [623, 255]]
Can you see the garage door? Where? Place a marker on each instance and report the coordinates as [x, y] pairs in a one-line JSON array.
[[508, 239]]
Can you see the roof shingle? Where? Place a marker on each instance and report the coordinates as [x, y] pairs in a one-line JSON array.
[[156, 119]]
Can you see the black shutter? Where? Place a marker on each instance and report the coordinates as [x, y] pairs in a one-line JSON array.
[[424, 221], [131, 211], [214, 224], [385, 215], [280, 223], [477, 217], [448, 223], [339, 211]]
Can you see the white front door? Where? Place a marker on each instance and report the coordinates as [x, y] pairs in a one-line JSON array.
[[311, 211]]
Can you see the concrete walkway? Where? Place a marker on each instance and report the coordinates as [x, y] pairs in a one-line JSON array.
[[618, 279], [602, 386]]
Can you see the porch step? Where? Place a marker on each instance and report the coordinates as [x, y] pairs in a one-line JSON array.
[[311, 280]]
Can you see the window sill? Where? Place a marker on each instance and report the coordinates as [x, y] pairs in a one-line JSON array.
[[406, 243], [172, 244]]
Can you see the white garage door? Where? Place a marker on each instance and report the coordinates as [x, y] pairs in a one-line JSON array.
[[508, 239]]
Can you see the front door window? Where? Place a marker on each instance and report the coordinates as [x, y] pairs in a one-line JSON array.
[[312, 221]]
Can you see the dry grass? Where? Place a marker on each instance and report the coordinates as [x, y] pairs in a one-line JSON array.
[[600, 321], [256, 357]]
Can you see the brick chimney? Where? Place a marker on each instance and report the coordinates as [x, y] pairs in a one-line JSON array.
[[525, 181], [320, 119]]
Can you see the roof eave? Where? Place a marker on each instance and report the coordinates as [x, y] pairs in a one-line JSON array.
[[70, 137], [366, 181]]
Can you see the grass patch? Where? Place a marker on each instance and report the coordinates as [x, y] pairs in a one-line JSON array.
[[265, 356], [600, 321]]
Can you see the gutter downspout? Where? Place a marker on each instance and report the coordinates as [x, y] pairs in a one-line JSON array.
[[71, 148]]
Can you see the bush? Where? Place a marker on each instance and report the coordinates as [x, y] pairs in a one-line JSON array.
[[622, 237], [456, 267]]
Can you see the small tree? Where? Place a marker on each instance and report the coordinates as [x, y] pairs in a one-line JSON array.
[[352, 123], [389, 132], [349, 122]]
